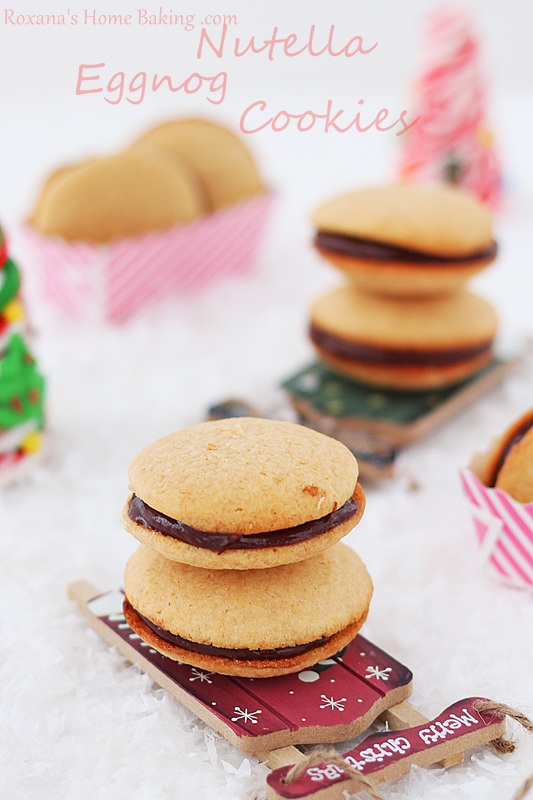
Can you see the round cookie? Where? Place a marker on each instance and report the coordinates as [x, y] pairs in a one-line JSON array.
[[223, 163], [252, 623], [401, 343], [52, 178], [117, 196], [243, 493], [509, 465], [406, 239]]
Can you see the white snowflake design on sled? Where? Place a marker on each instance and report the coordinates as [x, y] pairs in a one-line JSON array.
[[377, 673], [245, 716], [200, 675], [330, 702]]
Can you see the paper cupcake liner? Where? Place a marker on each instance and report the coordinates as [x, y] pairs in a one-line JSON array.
[[111, 282], [504, 531]]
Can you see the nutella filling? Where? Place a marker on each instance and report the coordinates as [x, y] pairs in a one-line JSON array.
[[517, 437], [354, 351], [241, 653], [148, 517], [366, 248]]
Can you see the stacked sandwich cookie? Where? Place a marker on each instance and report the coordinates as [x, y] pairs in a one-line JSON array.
[[404, 319], [240, 570]]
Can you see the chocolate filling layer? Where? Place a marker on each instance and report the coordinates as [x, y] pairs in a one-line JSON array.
[[517, 437], [241, 653], [366, 248], [382, 355], [154, 520]]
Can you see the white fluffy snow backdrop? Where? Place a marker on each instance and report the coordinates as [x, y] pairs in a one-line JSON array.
[[76, 720]]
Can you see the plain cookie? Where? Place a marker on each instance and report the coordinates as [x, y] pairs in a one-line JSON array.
[[224, 164], [117, 196]]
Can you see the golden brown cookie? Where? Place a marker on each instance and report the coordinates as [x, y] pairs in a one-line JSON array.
[[243, 493], [251, 623], [222, 161], [509, 465], [400, 343], [35, 216], [408, 239], [117, 196]]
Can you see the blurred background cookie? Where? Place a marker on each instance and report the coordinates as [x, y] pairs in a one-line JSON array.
[[224, 164], [406, 239], [509, 464], [117, 196], [402, 343]]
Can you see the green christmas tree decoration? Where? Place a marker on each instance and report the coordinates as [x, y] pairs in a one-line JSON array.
[[22, 387]]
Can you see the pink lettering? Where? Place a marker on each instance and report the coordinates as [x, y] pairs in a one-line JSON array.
[[243, 121], [82, 78]]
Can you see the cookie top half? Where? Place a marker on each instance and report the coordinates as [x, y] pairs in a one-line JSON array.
[[244, 475], [443, 221]]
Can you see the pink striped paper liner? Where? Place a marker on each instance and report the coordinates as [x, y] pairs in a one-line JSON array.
[[504, 531], [111, 282]]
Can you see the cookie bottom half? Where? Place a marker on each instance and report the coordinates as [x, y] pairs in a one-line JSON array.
[[405, 377], [255, 667]]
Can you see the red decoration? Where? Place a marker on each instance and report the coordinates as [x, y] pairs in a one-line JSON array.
[[451, 142]]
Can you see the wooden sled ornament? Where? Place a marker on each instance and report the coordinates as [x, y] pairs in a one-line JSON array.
[[338, 699]]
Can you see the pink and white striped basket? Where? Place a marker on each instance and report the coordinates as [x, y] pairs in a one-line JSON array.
[[504, 530], [111, 282]]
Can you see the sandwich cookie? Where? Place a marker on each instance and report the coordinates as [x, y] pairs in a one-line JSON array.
[[251, 623], [223, 163], [243, 493], [406, 239], [509, 465], [403, 344], [117, 196]]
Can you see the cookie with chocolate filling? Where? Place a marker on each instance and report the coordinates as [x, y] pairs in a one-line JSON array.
[[224, 164], [408, 239], [509, 465], [243, 493], [403, 344], [251, 623]]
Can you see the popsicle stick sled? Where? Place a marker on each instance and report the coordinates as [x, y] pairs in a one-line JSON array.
[[336, 700]]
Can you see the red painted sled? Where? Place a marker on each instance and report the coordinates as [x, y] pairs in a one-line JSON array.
[[338, 699]]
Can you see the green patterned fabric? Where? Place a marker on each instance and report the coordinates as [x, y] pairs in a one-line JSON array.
[[343, 398]]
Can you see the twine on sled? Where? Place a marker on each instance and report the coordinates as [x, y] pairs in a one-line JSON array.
[[502, 745], [321, 756]]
